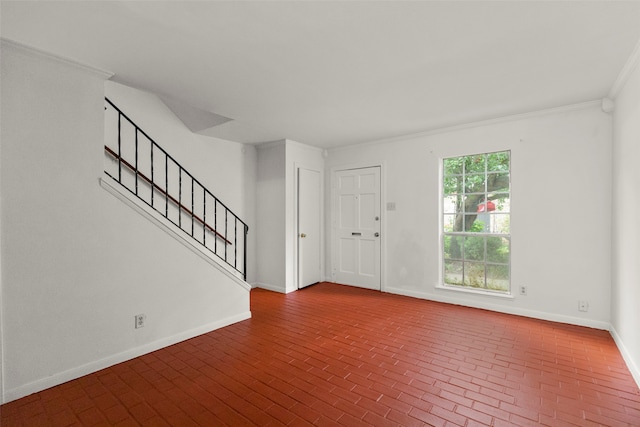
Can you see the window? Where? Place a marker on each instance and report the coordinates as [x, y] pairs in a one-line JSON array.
[[476, 236]]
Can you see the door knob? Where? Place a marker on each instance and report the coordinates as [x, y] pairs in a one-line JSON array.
[[302, 235], [377, 234]]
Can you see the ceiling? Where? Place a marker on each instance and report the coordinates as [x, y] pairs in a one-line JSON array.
[[338, 73]]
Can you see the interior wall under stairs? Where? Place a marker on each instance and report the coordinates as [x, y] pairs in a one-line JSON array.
[[77, 263]]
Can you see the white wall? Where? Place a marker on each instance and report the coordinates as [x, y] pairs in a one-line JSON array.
[[270, 217], [625, 316], [77, 263], [277, 241], [561, 178]]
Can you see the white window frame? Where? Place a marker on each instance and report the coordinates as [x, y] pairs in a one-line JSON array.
[[443, 234]]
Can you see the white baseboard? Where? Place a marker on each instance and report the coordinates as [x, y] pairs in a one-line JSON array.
[[74, 373], [631, 364], [503, 309], [270, 287]]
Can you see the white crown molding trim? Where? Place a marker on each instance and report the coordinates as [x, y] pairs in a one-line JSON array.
[[32, 51], [74, 373], [480, 123], [270, 144], [625, 73], [631, 364], [302, 145], [288, 142]]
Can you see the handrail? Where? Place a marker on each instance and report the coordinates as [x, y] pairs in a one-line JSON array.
[[227, 226], [164, 193], [169, 156]]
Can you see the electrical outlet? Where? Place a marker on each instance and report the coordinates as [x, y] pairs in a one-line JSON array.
[[583, 306], [523, 290], [140, 318]]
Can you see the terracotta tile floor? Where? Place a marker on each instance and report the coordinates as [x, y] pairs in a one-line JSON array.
[[337, 355]]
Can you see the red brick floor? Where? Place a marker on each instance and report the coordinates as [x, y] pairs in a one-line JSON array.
[[337, 355]]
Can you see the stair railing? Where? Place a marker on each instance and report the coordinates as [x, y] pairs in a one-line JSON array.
[[147, 171]]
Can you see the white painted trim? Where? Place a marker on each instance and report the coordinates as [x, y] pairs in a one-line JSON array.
[[270, 144], [273, 288], [480, 123], [631, 364], [296, 219], [625, 72], [290, 142], [172, 230], [2, 322], [474, 291], [449, 299], [383, 226], [303, 146], [97, 365], [32, 51]]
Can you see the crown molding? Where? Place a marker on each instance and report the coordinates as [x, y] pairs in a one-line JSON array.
[[288, 143], [480, 123], [625, 73], [271, 144], [38, 53], [301, 145]]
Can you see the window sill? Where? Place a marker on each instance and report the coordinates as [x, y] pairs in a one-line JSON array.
[[476, 292]]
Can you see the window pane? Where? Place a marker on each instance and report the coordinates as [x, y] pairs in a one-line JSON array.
[[453, 272], [498, 161], [452, 184], [499, 223], [474, 274], [499, 202], [453, 165], [453, 246], [475, 164], [471, 203], [498, 277], [474, 183], [474, 224], [449, 223], [498, 182], [474, 248], [451, 203], [498, 249]]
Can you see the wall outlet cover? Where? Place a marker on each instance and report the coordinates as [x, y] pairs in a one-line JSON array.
[[140, 319]]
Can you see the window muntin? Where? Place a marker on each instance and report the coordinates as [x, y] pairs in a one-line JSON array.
[[476, 236]]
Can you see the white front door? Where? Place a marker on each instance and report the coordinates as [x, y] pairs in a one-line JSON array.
[[357, 227], [309, 239]]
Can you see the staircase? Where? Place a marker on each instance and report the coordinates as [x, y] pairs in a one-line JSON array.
[[139, 165]]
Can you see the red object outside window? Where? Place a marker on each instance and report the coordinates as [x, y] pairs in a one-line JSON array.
[[490, 207]]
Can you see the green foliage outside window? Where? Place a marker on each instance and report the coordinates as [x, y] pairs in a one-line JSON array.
[[476, 210]]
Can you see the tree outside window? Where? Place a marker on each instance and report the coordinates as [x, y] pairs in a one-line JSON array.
[[476, 243]]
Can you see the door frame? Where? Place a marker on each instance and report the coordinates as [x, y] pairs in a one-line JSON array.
[[383, 218], [296, 241]]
